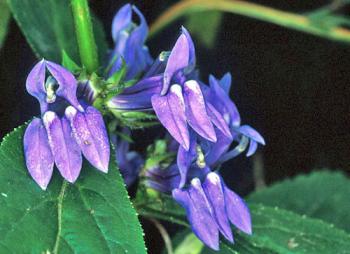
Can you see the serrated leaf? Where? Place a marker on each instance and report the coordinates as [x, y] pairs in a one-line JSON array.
[[274, 230], [49, 28], [94, 215], [324, 195]]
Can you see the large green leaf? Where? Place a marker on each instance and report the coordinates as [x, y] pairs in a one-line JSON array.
[[4, 20], [324, 195], [274, 230], [92, 216], [48, 26]]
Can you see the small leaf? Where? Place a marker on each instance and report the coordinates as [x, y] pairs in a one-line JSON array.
[[324, 195], [94, 215]]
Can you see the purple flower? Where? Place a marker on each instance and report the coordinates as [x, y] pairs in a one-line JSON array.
[[67, 129], [217, 98], [181, 101], [129, 40], [210, 207], [129, 162]]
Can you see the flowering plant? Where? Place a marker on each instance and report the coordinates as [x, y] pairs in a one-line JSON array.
[[91, 109]]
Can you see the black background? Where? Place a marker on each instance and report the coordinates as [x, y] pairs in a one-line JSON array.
[[292, 87]]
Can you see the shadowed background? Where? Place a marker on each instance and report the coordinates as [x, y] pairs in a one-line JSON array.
[[292, 87]]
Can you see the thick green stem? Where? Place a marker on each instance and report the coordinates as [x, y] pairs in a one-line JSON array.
[[282, 18], [85, 35]]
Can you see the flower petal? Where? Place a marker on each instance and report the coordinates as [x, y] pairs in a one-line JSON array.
[[218, 120], [196, 113], [248, 131], [192, 56], [121, 21], [222, 102], [199, 213], [252, 148], [237, 211], [35, 84], [170, 110], [67, 84], [90, 133], [225, 83], [39, 159], [184, 159], [178, 59], [217, 149], [213, 190], [65, 150]]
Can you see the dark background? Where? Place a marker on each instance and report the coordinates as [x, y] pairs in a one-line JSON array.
[[292, 87]]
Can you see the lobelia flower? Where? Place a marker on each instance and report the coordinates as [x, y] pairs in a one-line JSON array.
[[217, 96], [210, 205], [129, 162], [66, 130], [129, 40], [181, 102]]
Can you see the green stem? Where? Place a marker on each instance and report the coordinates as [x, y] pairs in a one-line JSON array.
[[85, 36], [282, 18]]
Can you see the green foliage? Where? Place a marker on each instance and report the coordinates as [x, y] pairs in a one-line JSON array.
[[324, 195], [205, 26], [274, 230], [4, 20], [49, 28], [94, 215], [68, 63]]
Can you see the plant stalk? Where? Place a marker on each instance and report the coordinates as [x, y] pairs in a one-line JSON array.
[[85, 36]]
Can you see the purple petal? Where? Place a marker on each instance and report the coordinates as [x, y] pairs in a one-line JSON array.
[[199, 213], [184, 159], [163, 180], [252, 148], [170, 110], [67, 84], [196, 112], [213, 190], [136, 55], [91, 135], [39, 159], [35, 84], [218, 120], [222, 102], [237, 211], [121, 21], [65, 150], [178, 59], [218, 149], [248, 131], [145, 84], [225, 83], [192, 57]]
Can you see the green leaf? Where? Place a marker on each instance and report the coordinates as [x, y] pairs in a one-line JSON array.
[[94, 215], [274, 230], [4, 20], [49, 28], [324, 195], [205, 26], [68, 63]]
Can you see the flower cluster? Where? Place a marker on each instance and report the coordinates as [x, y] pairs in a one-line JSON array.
[[204, 123], [66, 130]]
